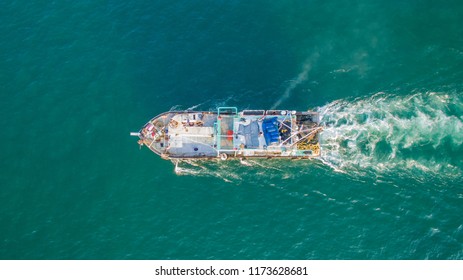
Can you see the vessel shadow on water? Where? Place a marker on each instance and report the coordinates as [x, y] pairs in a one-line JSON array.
[[227, 134]]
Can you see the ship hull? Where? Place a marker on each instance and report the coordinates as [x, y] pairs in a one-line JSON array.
[[226, 134]]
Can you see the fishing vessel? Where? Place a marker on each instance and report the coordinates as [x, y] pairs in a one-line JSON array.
[[226, 134]]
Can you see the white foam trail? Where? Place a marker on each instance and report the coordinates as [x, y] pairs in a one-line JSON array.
[[301, 77], [237, 172], [423, 131], [184, 171], [244, 162], [175, 108], [205, 169], [194, 107]]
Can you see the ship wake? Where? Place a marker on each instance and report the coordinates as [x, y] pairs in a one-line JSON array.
[[258, 171], [402, 134]]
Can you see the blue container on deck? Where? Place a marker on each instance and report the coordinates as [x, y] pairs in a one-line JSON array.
[[270, 129]]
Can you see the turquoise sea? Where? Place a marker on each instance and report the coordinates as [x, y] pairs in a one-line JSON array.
[[77, 76]]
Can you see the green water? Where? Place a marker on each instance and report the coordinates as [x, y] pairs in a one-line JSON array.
[[77, 77]]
